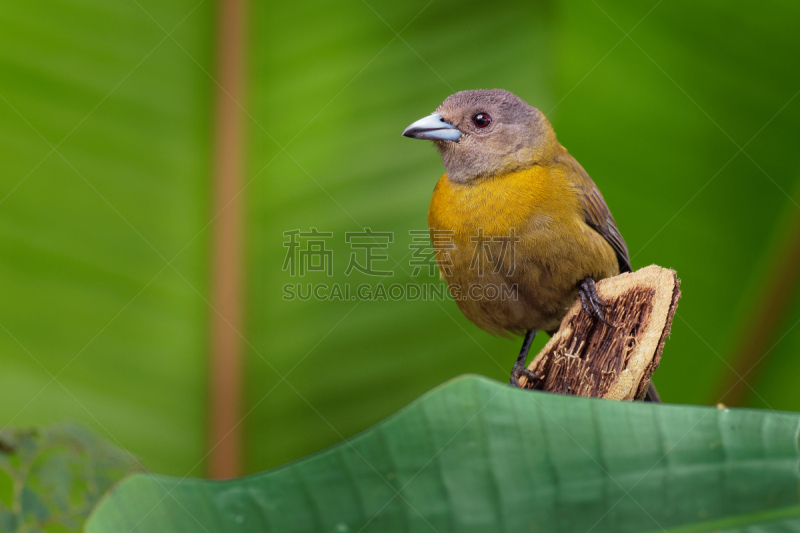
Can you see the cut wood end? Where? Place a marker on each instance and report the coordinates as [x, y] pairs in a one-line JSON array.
[[588, 358]]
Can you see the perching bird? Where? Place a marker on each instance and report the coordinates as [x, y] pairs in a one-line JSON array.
[[514, 198]]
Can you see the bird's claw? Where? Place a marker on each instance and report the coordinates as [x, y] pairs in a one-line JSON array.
[[520, 370], [591, 301]]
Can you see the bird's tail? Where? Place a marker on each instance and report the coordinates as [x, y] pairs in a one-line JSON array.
[[652, 394]]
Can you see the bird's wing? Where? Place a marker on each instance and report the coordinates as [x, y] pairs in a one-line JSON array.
[[595, 211]]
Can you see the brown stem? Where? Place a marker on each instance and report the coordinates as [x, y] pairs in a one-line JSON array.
[[226, 247]]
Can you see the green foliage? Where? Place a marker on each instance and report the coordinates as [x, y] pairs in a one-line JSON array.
[[84, 294], [50, 478], [476, 455]]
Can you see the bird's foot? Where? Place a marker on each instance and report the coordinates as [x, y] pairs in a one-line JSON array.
[[591, 301], [519, 366], [518, 371]]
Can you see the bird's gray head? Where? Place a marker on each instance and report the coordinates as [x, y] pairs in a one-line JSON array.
[[485, 133]]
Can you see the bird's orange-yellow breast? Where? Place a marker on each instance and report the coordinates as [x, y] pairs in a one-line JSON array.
[[539, 210]]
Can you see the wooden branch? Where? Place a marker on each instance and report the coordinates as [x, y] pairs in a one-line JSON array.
[[588, 358]]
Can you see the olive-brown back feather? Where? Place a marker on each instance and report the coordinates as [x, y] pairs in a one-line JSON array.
[[595, 210]]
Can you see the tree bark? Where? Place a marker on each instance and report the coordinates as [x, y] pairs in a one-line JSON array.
[[589, 358]]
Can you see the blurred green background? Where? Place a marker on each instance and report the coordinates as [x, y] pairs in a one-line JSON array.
[[105, 140]]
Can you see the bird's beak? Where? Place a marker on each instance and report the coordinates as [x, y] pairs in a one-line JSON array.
[[432, 127]]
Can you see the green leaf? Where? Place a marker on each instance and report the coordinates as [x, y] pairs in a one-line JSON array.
[[56, 474], [84, 296], [8, 521], [33, 507], [475, 455]]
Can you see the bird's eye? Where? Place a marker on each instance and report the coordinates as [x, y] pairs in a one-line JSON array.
[[481, 120]]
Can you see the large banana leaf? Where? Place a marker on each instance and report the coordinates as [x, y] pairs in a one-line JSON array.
[[103, 144], [476, 455]]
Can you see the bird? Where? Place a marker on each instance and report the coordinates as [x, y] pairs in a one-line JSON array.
[[511, 191]]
